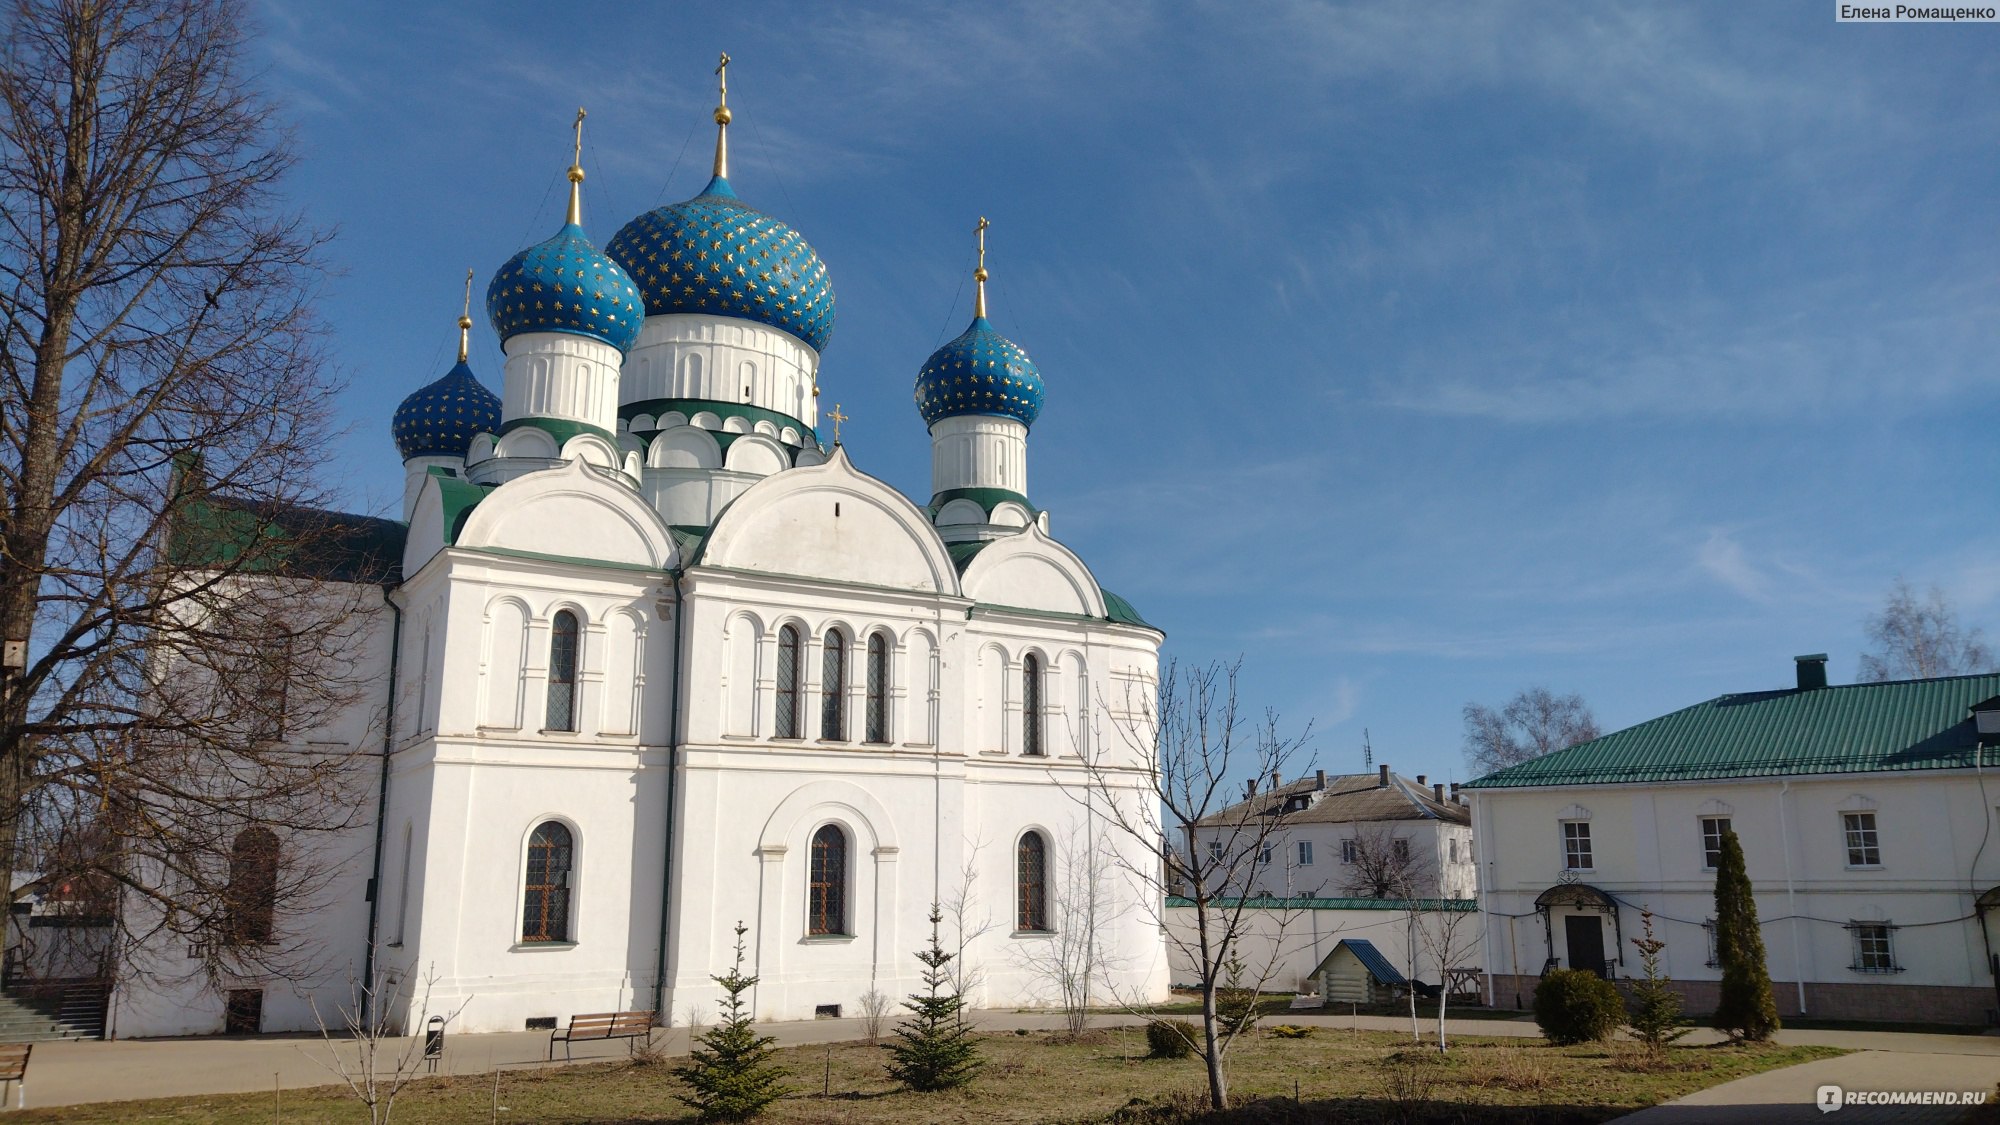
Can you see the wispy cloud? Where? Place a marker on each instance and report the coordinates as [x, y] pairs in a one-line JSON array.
[[1724, 559]]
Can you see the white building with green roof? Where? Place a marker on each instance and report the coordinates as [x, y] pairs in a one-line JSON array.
[[1867, 815]]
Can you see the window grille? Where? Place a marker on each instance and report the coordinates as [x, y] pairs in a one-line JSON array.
[[787, 725], [1864, 847], [562, 672], [1576, 845], [833, 687], [826, 890], [1032, 893], [1031, 705], [878, 688], [545, 912], [1708, 933], [1874, 947], [1713, 829]]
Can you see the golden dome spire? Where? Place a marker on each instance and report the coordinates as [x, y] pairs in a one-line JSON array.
[[465, 321], [576, 175], [979, 275], [722, 119]]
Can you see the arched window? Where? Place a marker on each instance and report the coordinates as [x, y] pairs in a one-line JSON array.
[[826, 890], [1032, 884], [1031, 705], [878, 688], [833, 687], [562, 673], [788, 682], [545, 910], [253, 887]]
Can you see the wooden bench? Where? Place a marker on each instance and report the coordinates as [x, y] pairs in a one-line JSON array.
[[14, 1068], [601, 1025]]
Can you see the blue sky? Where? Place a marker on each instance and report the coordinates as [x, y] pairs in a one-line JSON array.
[[1415, 353]]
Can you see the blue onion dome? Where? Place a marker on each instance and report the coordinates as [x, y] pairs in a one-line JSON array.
[[441, 420], [981, 372], [565, 285], [717, 254]]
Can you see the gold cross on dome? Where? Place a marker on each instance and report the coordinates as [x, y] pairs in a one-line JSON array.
[[838, 418]]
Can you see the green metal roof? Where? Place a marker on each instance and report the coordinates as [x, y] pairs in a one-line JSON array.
[[987, 499], [1119, 610], [265, 537], [1849, 728]]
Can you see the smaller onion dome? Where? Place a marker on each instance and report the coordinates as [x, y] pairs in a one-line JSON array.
[[441, 420], [565, 285], [980, 372]]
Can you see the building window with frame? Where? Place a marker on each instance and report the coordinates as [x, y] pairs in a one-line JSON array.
[[1264, 852], [1576, 846], [1350, 850], [1031, 894], [1305, 853], [833, 687], [250, 908], [564, 641], [788, 683], [1874, 947], [1864, 847], [1708, 933], [1713, 829], [1400, 848], [1031, 705], [826, 887], [878, 688], [546, 893], [1215, 849]]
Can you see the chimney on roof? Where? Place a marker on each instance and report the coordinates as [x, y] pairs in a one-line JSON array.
[[1321, 782], [1274, 779], [1437, 792], [1455, 798], [1812, 671], [1249, 788], [1382, 779], [1422, 781]]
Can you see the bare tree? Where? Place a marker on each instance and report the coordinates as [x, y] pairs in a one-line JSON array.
[[1385, 865], [381, 1067], [1533, 723], [164, 556], [969, 922], [1066, 962], [1172, 766], [1917, 639], [1448, 935]]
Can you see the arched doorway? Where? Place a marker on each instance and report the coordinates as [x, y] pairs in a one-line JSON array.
[[1581, 909]]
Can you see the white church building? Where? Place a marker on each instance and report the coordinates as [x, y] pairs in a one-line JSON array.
[[660, 657]]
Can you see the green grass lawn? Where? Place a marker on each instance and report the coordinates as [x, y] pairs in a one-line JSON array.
[[1046, 1077]]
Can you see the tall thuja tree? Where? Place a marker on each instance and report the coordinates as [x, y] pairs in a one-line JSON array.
[[1747, 1009], [731, 1073], [164, 410], [933, 1048]]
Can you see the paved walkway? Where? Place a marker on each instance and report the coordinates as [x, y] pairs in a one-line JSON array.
[[72, 1072]]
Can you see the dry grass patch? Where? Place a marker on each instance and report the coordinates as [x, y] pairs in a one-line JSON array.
[[1103, 1076]]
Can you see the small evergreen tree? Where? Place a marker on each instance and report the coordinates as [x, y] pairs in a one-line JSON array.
[[934, 1048], [1656, 1007], [731, 1072], [1747, 1009]]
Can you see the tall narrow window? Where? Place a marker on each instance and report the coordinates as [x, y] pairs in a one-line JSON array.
[[545, 912], [788, 682], [1713, 829], [1031, 705], [562, 672], [878, 688], [253, 887], [826, 889], [1576, 845], [833, 687], [1032, 892], [1864, 847]]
